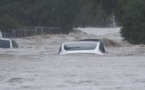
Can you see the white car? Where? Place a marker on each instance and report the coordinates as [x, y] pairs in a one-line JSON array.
[[8, 43], [81, 47]]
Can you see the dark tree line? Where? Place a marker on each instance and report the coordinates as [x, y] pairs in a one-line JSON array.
[[67, 14], [130, 15], [55, 13], [19, 13], [133, 21], [92, 15]]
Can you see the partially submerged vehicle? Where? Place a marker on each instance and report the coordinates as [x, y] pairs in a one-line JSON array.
[[8, 43], [102, 43], [95, 40], [81, 47]]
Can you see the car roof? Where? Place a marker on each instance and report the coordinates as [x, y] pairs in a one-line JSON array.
[[5, 39], [81, 42], [90, 40]]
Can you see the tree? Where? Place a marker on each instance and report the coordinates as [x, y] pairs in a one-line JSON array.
[[133, 22], [130, 14], [65, 14], [7, 23], [58, 13], [104, 9]]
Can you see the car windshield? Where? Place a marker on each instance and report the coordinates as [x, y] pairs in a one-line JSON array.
[[4, 44], [88, 46]]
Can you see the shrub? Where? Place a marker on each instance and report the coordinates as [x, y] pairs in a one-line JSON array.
[[133, 22]]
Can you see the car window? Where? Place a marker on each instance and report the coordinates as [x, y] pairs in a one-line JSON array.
[[4, 44], [71, 47], [15, 45]]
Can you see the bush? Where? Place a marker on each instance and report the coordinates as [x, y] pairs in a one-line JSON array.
[[8, 23], [133, 22]]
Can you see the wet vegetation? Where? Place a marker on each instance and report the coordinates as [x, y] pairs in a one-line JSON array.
[[66, 14]]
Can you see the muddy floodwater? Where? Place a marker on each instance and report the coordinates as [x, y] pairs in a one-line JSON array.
[[36, 65]]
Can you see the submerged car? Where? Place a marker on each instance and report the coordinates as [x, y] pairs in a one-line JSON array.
[[97, 40], [81, 47], [8, 43]]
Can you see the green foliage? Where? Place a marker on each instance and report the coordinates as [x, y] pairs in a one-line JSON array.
[[66, 13], [58, 13], [107, 5], [55, 13], [130, 15], [133, 21], [8, 23], [91, 15]]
